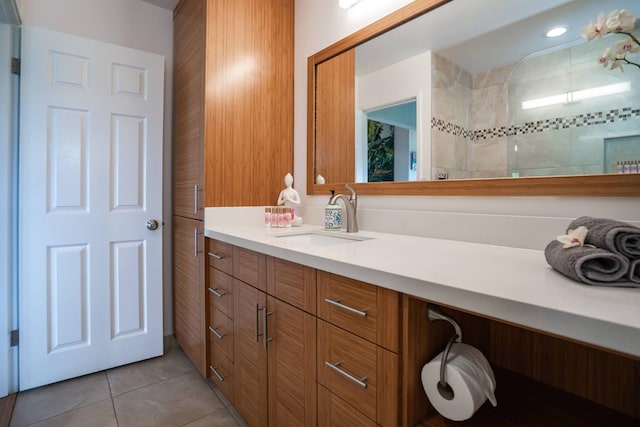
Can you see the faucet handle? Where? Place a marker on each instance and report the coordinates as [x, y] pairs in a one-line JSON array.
[[353, 192], [354, 196]]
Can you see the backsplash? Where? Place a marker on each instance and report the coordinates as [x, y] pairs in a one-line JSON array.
[[587, 119]]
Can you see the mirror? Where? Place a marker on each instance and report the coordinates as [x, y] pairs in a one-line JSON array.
[[479, 137]]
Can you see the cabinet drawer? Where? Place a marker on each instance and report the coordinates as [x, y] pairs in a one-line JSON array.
[[220, 291], [221, 371], [368, 311], [220, 255], [347, 365], [335, 412], [220, 330], [250, 267], [292, 283]]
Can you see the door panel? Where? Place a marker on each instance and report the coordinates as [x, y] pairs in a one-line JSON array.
[[90, 173], [250, 354]]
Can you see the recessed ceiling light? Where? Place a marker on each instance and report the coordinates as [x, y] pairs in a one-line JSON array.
[[556, 31]]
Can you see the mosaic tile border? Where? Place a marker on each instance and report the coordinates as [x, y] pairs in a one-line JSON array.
[[586, 119]]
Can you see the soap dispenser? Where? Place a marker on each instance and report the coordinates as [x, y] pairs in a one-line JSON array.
[[332, 215]]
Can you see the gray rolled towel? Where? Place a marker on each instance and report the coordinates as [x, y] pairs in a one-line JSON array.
[[593, 266], [634, 272], [616, 236]]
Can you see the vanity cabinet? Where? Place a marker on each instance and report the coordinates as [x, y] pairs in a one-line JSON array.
[[220, 295], [230, 114], [358, 345], [307, 347], [267, 307]]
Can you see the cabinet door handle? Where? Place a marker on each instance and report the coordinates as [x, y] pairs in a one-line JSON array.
[[195, 242], [216, 333], [216, 292], [362, 382], [214, 369], [361, 313], [215, 255], [265, 339], [195, 199], [257, 317]]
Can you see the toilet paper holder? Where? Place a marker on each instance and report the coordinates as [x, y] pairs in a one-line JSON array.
[[434, 313]]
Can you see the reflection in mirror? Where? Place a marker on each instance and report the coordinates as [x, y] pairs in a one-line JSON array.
[[474, 92], [551, 113], [390, 142]]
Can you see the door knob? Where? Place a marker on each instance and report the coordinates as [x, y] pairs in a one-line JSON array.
[[152, 224]]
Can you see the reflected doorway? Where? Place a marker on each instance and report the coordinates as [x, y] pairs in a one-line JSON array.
[[391, 143]]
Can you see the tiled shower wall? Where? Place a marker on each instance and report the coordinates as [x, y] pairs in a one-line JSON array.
[[482, 115]]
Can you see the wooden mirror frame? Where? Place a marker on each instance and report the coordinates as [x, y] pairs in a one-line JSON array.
[[611, 185]]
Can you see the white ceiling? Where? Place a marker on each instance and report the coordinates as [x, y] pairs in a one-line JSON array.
[[166, 4]]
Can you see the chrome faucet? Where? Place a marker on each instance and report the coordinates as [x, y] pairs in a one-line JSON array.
[[351, 204]]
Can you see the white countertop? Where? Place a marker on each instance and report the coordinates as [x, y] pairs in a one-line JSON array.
[[511, 284]]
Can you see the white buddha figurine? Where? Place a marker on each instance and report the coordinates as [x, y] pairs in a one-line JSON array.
[[291, 199]]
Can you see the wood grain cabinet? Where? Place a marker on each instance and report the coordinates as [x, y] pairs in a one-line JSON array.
[[270, 374], [189, 296], [358, 344], [188, 148], [232, 129], [290, 345], [220, 294]]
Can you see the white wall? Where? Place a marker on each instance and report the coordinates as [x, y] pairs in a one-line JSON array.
[[513, 221], [134, 24], [412, 80]]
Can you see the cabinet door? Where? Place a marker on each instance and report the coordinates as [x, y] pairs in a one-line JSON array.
[[250, 354], [189, 290], [292, 371], [188, 107]]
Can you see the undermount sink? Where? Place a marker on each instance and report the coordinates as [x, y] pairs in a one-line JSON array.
[[322, 238]]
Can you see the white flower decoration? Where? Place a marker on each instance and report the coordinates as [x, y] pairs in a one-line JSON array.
[[596, 28], [573, 238], [617, 23], [626, 46], [623, 22]]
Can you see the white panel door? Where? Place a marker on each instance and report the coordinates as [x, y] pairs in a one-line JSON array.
[[90, 273]]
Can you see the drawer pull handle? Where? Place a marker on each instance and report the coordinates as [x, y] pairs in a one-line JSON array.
[[362, 382], [216, 292], [361, 313], [214, 369], [216, 333], [215, 255]]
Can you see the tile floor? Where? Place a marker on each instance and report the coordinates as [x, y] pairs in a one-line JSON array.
[[165, 391]]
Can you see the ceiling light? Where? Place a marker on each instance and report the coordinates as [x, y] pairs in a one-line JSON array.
[[346, 4], [578, 95], [556, 31]]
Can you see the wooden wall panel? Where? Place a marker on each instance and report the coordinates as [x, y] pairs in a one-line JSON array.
[[561, 364], [612, 382], [511, 348]]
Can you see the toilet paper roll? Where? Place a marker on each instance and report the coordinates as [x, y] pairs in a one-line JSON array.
[[469, 375]]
